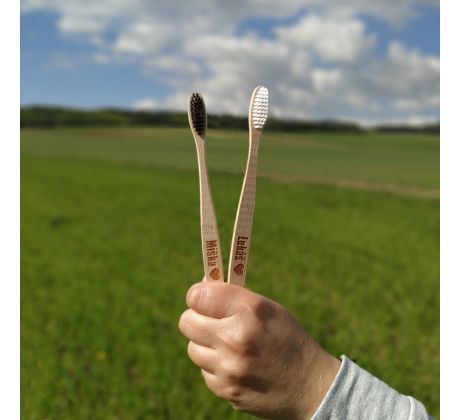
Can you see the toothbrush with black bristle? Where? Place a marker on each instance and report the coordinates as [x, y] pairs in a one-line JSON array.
[[212, 255], [241, 241]]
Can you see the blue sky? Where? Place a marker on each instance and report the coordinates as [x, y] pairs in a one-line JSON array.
[[372, 62], [58, 69]]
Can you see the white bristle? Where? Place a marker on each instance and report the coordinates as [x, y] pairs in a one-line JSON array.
[[260, 108]]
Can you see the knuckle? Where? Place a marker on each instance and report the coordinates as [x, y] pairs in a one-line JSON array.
[[190, 349], [242, 340], [234, 370], [187, 321], [183, 321], [236, 406], [262, 308], [232, 393], [207, 380], [213, 386]]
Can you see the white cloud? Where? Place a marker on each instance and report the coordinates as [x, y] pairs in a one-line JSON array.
[[60, 61], [174, 64], [323, 64], [145, 37], [301, 87], [417, 105], [225, 14], [146, 104], [75, 23], [332, 39], [405, 76], [324, 80], [101, 58]]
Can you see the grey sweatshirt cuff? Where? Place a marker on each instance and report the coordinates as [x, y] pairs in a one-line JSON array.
[[356, 394]]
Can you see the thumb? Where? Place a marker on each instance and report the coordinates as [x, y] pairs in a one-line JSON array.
[[216, 299]]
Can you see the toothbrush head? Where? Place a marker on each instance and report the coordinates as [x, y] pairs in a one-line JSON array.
[[197, 114], [258, 108]]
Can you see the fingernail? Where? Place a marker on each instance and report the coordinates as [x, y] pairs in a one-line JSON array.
[[193, 295]]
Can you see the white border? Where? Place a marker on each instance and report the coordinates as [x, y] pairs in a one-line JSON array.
[[9, 216], [450, 209]]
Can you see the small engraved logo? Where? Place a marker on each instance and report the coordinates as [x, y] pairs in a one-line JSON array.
[[239, 269], [214, 274]]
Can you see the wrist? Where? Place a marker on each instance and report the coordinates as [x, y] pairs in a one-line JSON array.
[[321, 370]]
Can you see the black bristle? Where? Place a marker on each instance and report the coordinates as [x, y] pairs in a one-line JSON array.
[[198, 113]]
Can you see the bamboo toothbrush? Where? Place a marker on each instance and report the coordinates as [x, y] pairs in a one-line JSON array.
[[210, 243], [241, 241]]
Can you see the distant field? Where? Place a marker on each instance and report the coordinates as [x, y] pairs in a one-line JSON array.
[[384, 160], [107, 212]]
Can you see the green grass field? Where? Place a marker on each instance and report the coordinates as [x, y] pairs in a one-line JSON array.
[[346, 237]]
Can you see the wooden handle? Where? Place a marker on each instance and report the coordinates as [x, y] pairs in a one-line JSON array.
[[210, 243], [241, 241]]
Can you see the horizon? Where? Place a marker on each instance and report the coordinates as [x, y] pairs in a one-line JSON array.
[[285, 120]]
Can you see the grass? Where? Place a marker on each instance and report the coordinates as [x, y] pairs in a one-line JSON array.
[[407, 160], [111, 243]]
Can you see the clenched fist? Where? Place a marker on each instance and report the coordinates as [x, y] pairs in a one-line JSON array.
[[254, 354]]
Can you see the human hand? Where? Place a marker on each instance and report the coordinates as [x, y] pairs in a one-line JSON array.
[[254, 354]]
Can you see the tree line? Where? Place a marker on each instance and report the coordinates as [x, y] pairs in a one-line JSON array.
[[47, 117]]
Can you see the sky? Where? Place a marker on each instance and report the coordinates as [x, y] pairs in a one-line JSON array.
[[367, 61]]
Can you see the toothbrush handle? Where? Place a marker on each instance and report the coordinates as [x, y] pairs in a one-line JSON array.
[[241, 240], [210, 243]]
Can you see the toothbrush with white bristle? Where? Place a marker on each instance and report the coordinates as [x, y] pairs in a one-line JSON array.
[[212, 255], [241, 241]]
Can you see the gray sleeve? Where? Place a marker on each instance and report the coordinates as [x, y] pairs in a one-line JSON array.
[[356, 394]]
